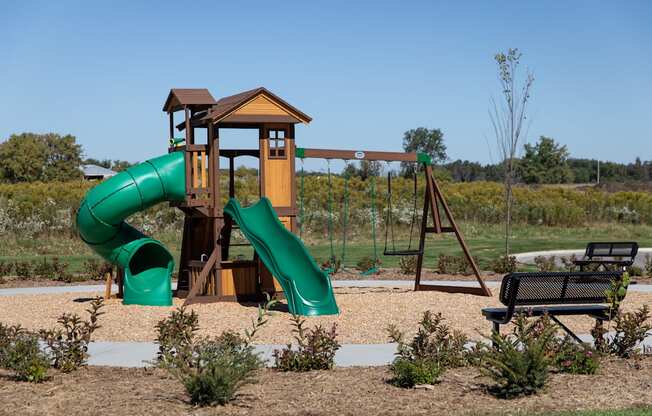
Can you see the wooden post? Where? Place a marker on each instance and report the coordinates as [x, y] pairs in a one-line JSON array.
[[108, 283], [171, 125], [187, 154]]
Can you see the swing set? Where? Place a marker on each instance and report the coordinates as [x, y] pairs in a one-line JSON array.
[[434, 205]]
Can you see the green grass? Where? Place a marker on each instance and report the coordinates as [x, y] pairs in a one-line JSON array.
[[485, 241]]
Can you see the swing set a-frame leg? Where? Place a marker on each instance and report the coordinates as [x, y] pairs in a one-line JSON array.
[[433, 199]]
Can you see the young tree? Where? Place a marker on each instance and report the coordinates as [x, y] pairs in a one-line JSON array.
[[63, 158], [365, 170], [424, 140], [545, 162], [507, 118]]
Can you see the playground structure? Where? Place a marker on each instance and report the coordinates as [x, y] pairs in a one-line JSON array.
[[188, 177]]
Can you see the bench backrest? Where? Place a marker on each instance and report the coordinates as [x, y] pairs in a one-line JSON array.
[[556, 288], [626, 250]]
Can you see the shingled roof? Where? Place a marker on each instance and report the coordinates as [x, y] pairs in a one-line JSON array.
[[199, 98]]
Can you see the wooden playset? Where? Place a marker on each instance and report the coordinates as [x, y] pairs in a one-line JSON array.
[[206, 271]]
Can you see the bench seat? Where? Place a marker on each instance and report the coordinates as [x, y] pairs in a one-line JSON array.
[[595, 311]]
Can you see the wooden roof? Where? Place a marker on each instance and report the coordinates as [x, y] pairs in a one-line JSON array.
[[199, 98], [255, 106]]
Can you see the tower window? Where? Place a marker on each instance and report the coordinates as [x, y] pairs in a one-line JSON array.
[[277, 149]]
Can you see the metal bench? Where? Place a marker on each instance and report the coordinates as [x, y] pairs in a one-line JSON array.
[[555, 294], [620, 254]]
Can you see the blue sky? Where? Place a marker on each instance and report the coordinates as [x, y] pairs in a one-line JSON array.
[[365, 71]]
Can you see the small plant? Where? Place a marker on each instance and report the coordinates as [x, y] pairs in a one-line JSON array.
[[408, 264], [23, 269], [68, 346], [433, 349], [175, 338], [631, 329], [315, 349], [454, 265], [5, 268], [20, 353], [504, 264], [215, 369], [635, 271], [332, 265], [648, 265], [569, 262], [573, 358], [518, 362], [368, 264], [53, 270], [546, 264], [96, 270]]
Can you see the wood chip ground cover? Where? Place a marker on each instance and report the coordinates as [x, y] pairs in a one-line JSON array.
[[347, 391], [365, 314]]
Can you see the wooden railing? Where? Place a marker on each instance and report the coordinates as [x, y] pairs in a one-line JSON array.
[[198, 172]]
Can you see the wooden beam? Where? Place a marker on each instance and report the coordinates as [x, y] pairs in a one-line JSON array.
[[358, 155], [201, 280]]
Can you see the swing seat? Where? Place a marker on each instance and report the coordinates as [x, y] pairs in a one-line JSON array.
[[402, 252]]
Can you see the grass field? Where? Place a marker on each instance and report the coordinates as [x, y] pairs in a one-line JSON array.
[[485, 241]]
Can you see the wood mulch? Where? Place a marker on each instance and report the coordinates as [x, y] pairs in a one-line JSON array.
[[345, 391], [365, 314]]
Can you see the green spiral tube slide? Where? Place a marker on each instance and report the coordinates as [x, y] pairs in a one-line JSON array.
[[147, 264]]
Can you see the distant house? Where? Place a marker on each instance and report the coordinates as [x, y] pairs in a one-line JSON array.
[[94, 172]]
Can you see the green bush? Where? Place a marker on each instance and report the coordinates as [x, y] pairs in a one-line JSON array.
[[573, 358], [315, 348], [504, 264], [218, 368], [519, 362], [68, 346], [20, 353], [409, 373], [648, 265], [454, 265], [546, 264], [53, 270], [631, 329], [5, 268], [97, 270], [332, 265], [175, 337], [434, 348], [408, 264], [634, 270], [213, 370], [367, 264], [24, 269]]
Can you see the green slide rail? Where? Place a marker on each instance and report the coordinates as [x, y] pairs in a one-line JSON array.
[[147, 264], [307, 288]]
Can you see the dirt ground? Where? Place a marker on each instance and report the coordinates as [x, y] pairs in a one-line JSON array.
[[347, 391], [364, 315]]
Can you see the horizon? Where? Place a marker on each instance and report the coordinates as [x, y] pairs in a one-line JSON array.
[[365, 74]]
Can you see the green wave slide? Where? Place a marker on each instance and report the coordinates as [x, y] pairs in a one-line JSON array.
[[307, 288], [147, 264]]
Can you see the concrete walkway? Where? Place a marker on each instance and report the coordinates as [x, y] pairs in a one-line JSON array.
[[528, 258]]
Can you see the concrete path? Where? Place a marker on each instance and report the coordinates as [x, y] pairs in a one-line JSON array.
[[528, 258]]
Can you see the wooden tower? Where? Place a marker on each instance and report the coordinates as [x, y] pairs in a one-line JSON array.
[[206, 274]]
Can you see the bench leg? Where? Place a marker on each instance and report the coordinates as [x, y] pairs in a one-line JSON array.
[[496, 331], [566, 329]]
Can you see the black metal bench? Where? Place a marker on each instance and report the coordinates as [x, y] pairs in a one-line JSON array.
[[620, 254], [555, 294]]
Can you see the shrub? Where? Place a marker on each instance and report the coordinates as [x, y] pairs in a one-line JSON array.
[[23, 269], [96, 270], [5, 268], [218, 368], [53, 270], [648, 265], [571, 357], [518, 363], [546, 264], [634, 270], [175, 337], [631, 328], [332, 265], [68, 346], [408, 264], [315, 348], [569, 262], [20, 353], [454, 265], [433, 349], [410, 373], [215, 369], [368, 264], [504, 264]]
